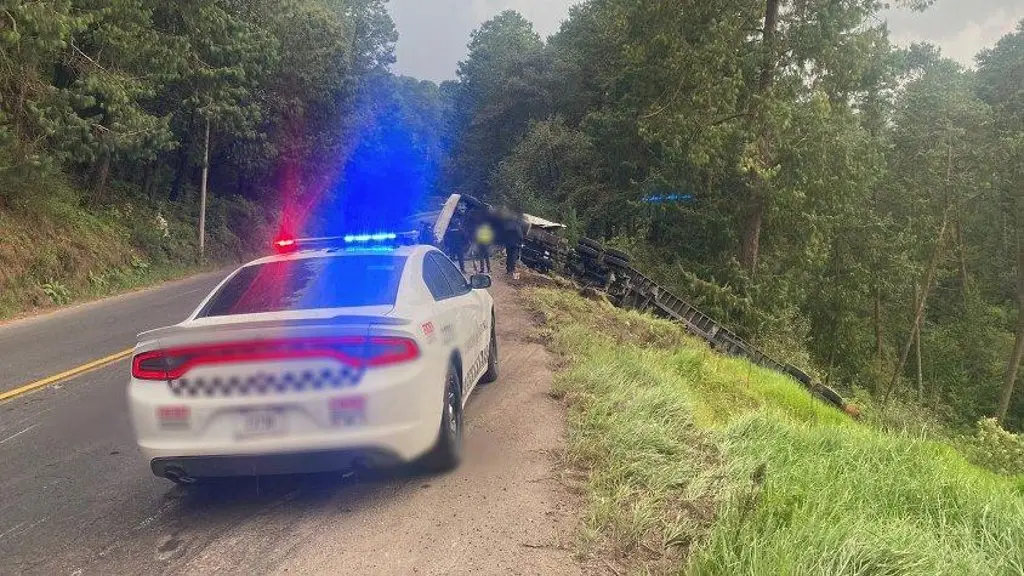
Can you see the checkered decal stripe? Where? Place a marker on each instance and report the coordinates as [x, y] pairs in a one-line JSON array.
[[264, 383], [477, 368]]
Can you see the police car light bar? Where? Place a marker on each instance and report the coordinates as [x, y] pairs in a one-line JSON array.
[[364, 238], [378, 240]]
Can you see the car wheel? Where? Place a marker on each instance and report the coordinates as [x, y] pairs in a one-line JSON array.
[[587, 251], [447, 452], [590, 243], [492, 357]]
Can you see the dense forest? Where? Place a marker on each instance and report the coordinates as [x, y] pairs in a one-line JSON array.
[[851, 206], [116, 114], [835, 192]]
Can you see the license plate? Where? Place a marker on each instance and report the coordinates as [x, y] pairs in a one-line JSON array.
[[347, 411], [262, 423]]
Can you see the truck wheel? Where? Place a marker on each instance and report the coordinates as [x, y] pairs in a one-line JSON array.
[[617, 254], [829, 395], [617, 262]]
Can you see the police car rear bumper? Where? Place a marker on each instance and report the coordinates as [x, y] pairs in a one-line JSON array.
[[271, 464], [396, 411]]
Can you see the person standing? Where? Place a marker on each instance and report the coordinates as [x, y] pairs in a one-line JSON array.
[[456, 242], [514, 235], [484, 239], [426, 233]]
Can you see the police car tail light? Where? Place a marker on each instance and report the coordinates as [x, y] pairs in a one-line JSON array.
[[163, 364], [384, 351], [357, 351], [149, 366]]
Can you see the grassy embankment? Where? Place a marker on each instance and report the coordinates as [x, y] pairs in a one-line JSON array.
[[702, 464], [56, 249]]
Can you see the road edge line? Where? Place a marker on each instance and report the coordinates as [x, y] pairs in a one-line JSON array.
[[65, 375]]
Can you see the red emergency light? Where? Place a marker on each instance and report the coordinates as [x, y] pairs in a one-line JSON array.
[[285, 245]]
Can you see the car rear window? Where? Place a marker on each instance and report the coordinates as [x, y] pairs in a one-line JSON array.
[[333, 282]]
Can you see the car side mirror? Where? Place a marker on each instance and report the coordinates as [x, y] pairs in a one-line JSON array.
[[480, 281]]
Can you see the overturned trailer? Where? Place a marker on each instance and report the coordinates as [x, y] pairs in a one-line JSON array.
[[589, 262], [543, 249], [627, 287]]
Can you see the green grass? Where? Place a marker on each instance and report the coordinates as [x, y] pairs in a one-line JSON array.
[[701, 464]]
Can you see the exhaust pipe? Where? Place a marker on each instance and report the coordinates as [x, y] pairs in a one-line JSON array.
[[178, 475]]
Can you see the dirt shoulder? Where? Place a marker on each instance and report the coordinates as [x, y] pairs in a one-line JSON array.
[[504, 511]]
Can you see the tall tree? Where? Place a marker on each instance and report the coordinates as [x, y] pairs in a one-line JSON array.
[[1000, 71], [489, 122]]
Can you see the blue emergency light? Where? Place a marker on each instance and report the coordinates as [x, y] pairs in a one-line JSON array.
[[378, 241], [368, 238], [667, 198]]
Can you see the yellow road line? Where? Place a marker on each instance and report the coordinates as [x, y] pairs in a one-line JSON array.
[[65, 374]]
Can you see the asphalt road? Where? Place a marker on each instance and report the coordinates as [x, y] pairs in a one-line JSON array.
[[38, 347], [76, 497]]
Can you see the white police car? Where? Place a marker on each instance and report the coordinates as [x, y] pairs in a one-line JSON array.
[[333, 354]]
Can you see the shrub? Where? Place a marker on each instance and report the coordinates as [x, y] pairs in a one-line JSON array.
[[996, 449], [57, 292]]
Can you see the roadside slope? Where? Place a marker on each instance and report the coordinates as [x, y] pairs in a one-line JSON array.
[[712, 465], [57, 248]]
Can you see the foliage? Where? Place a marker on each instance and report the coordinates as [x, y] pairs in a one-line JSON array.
[[819, 161], [124, 90], [996, 449], [109, 108], [487, 116], [58, 293]]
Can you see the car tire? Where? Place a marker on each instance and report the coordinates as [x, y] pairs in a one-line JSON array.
[[617, 254], [447, 451], [587, 251], [590, 243], [617, 262], [492, 357]]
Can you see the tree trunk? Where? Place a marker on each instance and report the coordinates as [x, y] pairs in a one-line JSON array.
[[920, 307], [962, 252], [180, 173], [917, 346], [1018, 346], [148, 171], [100, 182], [202, 190], [878, 328], [771, 19], [750, 246]]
